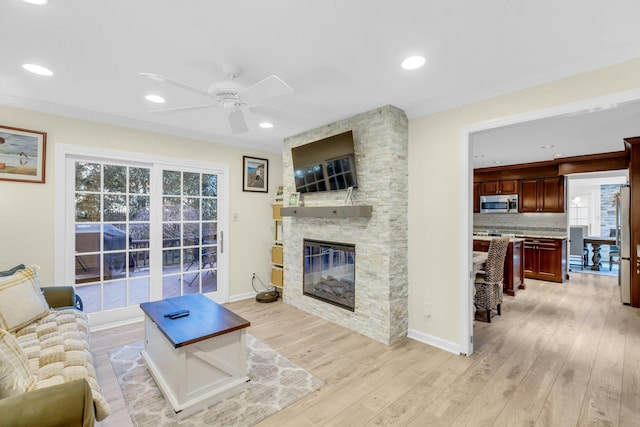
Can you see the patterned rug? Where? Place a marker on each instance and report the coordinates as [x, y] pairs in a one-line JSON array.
[[276, 382]]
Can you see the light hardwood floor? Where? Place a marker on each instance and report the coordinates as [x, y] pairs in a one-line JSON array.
[[560, 355]]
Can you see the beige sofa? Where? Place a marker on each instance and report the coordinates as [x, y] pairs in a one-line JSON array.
[[47, 377]]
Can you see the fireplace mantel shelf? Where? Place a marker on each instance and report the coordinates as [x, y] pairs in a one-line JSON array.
[[360, 211]]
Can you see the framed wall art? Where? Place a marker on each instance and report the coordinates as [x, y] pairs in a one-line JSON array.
[[22, 154], [255, 174]]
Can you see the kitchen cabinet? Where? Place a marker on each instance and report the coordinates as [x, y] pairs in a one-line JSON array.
[[542, 195], [513, 279], [498, 187], [545, 259], [476, 197]]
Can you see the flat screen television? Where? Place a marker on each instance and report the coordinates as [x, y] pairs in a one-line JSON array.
[[325, 165]]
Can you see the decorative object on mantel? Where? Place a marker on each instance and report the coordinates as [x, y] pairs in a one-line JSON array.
[[294, 199], [347, 199], [279, 195], [255, 174], [276, 382], [353, 211], [22, 154]]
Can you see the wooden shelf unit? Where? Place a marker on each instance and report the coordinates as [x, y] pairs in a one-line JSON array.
[[277, 249]]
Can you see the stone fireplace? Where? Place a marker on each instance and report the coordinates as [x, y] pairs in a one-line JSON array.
[[380, 278]]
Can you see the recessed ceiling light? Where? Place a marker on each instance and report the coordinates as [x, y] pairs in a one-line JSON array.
[[497, 162], [37, 69], [266, 125], [548, 146], [413, 62], [37, 2], [478, 156], [558, 155], [155, 98]]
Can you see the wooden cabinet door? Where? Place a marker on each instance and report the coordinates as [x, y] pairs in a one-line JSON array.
[[489, 188], [548, 262], [529, 195], [476, 197], [530, 255], [498, 187], [551, 194], [508, 187]]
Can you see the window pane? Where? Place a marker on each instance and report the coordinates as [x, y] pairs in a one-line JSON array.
[[209, 185], [87, 207], [115, 294], [115, 179], [90, 295], [191, 184], [209, 209], [171, 209], [87, 238], [209, 233], [115, 207], [171, 235], [139, 208], [139, 235], [171, 182], [139, 263], [170, 261], [191, 209], [139, 291], [191, 234], [139, 180], [87, 176], [87, 268]]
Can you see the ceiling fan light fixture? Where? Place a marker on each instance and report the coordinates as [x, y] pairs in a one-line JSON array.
[[157, 99], [266, 125], [37, 69], [413, 62]]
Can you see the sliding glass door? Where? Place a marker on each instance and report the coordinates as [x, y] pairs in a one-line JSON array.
[[141, 231]]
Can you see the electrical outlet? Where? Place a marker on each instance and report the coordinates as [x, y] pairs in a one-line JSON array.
[[235, 217]]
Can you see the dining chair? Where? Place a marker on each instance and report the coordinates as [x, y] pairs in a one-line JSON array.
[[614, 250], [489, 286]]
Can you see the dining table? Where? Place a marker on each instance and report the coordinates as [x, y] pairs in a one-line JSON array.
[[596, 242]]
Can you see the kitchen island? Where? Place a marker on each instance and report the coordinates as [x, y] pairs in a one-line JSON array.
[[514, 262]]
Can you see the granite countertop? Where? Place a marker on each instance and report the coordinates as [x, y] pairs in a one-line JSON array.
[[489, 238], [521, 236]]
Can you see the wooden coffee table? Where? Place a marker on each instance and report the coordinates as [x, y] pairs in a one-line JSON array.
[[195, 360]]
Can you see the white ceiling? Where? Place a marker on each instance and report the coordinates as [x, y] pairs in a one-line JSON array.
[[340, 57]]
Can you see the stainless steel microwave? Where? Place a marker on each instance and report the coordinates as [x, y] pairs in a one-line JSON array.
[[503, 203]]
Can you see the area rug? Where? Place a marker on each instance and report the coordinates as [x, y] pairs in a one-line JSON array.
[[276, 382]]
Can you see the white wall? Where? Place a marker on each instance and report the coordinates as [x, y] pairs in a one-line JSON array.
[[26, 209], [437, 254]]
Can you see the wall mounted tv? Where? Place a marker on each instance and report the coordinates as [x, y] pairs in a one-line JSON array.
[[325, 165]]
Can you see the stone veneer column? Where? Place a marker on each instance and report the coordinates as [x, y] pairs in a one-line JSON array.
[[381, 144]]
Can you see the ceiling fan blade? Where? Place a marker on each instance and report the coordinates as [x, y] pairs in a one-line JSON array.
[[270, 87], [181, 109], [163, 79], [237, 122]]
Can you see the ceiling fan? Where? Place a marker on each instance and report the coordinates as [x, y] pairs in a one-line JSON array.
[[231, 96]]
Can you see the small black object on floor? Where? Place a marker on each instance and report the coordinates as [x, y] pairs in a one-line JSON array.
[[268, 296]]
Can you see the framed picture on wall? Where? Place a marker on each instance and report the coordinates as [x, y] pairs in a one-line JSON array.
[[255, 174], [22, 154]]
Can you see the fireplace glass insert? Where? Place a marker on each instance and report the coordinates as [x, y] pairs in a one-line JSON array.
[[329, 272]]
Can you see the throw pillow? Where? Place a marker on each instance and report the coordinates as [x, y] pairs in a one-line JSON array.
[[21, 300], [15, 374], [12, 271]]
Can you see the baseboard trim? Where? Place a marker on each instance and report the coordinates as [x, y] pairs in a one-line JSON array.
[[241, 297], [445, 345]]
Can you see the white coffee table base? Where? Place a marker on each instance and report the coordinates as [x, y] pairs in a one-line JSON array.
[[198, 375]]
